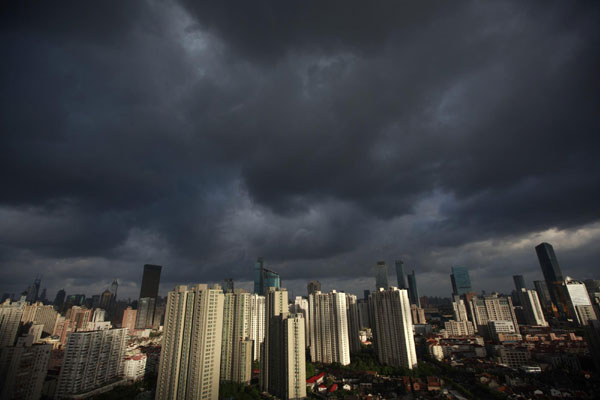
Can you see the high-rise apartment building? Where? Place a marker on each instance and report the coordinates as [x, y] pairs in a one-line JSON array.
[[236, 357], [23, 369], [400, 275], [276, 303], [381, 275], [191, 347], [300, 306], [92, 360], [313, 286], [461, 282], [532, 308], [10, 318], [257, 324], [329, 328], [459, 328], [38, 313], [460, 309], [353, 323], [413, 292], [418, 315], [393, 327]]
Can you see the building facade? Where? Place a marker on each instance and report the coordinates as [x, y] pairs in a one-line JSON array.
[[329, 328]]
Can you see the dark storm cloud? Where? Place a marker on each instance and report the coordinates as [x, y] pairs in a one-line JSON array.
[[322, 136]]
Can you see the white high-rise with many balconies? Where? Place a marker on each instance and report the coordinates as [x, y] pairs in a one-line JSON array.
[[257, 323], [393, 327], [236, 356], [532, 309], [328, 324], [191, 347]]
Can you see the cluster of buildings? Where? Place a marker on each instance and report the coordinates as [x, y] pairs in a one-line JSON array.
[[204, 335], [77, 348]]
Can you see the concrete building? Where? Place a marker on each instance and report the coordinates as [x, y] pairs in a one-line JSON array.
[[491, 308], [10, 318], [135, 367], [257, 324], [300, 306], [313, 286], [328, 324], [276, 303], [91, 360], [23, 369], [418, 315], [381, 275], [393, 327], [353, 323], [38, 313], [145, 312], [459, 328], [460, 310], [191, 346], [128, 321], [579, 302], [532, 308], [236, 358]]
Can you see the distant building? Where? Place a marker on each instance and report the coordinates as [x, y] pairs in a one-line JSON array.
[[191, 345], [264, 278], [329, 342], [543, 294], [150, 281], [532, 308], [553, 276], [381, 275], [145, 312], [418, 315], [59, 300], [460, 309], [459, 328], [313, 286], [393, 327], [92, 360], [579, 302], [519, 282], [413, 292], [492, 308], [39, 313], [400, 275], [228, 285], [129, 317], [461, 282]]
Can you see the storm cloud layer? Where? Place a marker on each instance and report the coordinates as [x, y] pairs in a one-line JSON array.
[[320, 136]]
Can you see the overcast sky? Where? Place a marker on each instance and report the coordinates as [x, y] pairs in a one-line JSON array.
[[322, 136]]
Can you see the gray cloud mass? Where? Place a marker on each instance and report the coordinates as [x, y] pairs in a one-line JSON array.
[[321, 136]]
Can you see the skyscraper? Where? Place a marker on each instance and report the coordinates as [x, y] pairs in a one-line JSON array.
[[92, 360], [381, 275], [257, 323], [264, 278], [148, 296], [276, 303], [543, 294], [313, 286], [150, 281], [553, 277], [413, 292], [461, 282], [400, 274], [393, 327], [59, 300], [519, 282], [353, 322], [532, 309], [191, 346], [236, 348], [579, 302], [300, 306], [328, 324]]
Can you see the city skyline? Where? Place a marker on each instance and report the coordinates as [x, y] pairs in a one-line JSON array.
[[200, 137]]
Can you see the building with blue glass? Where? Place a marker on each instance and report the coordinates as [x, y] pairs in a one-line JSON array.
[[264, 278], [461, 282]]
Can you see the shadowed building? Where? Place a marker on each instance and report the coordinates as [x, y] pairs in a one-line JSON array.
[[400, 275], [553, 276], [381, 275], [413, 292], [461, 282], [264, 278]]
